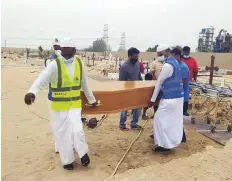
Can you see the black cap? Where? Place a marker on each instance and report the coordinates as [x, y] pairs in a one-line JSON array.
[[186, 49]]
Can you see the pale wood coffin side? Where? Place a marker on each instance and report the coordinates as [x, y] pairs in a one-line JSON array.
[[120, 96]]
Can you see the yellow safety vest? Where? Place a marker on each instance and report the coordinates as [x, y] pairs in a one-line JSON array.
[[66, 93]]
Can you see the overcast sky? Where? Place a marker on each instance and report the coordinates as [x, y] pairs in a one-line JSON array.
[[146, 22]]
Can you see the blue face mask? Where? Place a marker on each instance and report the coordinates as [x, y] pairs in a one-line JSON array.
[[162, 58]]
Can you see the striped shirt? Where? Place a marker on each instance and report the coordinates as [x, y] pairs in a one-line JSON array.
[[155, 68]]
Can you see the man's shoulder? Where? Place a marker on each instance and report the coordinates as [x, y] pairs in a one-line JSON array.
[[125, 64]]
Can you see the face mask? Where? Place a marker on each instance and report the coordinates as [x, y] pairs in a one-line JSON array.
[[186, 56], [58, 52], [162, 58], [134, 60]]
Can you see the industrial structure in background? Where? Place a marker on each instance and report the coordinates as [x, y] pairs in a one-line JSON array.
[[106, 35], [122, 46], [221, 44]]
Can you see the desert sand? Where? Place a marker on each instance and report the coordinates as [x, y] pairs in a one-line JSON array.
[[28, 148]]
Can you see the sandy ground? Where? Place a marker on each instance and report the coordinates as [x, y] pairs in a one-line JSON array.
[[212, 165], [28, 149]]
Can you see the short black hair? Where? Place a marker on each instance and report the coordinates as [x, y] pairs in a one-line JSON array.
[[148, 76], [186, 49], [176, 51], [133, 51]]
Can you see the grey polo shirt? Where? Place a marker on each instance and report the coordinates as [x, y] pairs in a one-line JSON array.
[[129, 71]]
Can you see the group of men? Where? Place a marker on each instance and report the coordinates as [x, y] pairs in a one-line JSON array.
[[172, 70], [66, 76]]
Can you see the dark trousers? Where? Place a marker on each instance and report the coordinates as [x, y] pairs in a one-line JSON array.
[[183, 137], [185, 108]]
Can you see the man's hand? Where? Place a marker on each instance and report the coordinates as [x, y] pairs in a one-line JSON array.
[[94, 104], [29, 98], [150, 104]]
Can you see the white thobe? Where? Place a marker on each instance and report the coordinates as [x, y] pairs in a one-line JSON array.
[[168, 119], [66, 126]]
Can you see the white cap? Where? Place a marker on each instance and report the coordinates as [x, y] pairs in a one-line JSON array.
[[55, 42], [67, 42], [162, 47]]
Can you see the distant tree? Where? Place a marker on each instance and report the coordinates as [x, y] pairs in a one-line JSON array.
[[152, 49], [89, 49], [99, 45]]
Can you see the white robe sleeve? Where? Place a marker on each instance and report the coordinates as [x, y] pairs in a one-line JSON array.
[[166, 72], [48, 75], [85, 87]]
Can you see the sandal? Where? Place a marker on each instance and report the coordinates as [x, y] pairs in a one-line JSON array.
[[85, 160]]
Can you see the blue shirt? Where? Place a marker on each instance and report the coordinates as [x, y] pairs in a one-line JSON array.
[[129, 71], [185, 77]]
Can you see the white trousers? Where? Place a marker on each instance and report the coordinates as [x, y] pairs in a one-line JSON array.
[[168, 123], [67, 129]]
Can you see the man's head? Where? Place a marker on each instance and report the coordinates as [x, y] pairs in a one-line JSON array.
[[68, 49], [163, 52], [56, 47], [186, 52], [148, 76], [133, 54], [176, 52]]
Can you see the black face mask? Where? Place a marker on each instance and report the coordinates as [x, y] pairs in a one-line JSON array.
[[134, 60]]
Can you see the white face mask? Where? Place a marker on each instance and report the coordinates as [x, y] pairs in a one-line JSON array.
[[186, 56], [58, 52], [162, 58]]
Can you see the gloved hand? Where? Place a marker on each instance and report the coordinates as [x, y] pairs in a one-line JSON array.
[[29, 98], [92, 123]]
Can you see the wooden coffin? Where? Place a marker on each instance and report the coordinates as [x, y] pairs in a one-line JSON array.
[[229, 73], [117, 96]]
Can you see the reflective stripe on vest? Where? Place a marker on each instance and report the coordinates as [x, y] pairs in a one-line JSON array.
[[66, 92]]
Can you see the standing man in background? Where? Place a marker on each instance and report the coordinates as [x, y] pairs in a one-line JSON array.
[[141, 66], [57, 52], [157, 64], [130, 71], [155, 69], [191, 63], [185, 78]]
